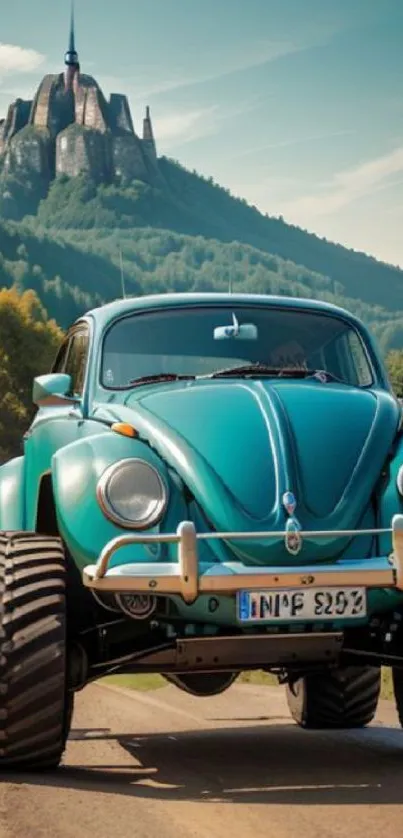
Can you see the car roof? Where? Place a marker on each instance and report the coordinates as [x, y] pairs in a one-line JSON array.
[[110, 311]]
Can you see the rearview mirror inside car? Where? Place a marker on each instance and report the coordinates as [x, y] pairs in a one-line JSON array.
[[245, 331]]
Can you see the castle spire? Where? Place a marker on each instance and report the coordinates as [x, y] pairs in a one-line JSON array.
[[71, 57], [148, 133], [72, 45]]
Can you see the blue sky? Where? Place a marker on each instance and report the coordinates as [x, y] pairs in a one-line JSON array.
[[296, 105]]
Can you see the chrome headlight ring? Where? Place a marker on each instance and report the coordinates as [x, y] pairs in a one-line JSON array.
[[132, 494]]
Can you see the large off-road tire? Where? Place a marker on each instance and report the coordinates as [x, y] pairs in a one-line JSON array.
[[35, 708], [338, 698]]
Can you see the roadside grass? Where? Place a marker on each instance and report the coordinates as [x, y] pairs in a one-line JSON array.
[[145, 683], [142, 683], [387, 686]]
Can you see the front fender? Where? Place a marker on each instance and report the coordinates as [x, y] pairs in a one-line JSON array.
[[390, 502], [12, 510], [76, 469]]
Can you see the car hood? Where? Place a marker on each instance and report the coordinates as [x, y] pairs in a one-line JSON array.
[[240, 445]]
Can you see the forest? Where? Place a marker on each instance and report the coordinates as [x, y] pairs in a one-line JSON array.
[[85, 243], [184, 233]]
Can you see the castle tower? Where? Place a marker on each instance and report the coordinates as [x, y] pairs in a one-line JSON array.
[[71, 57], [148, 135], [70, 128]]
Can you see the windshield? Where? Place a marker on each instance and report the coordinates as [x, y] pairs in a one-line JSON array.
[[205, 340]]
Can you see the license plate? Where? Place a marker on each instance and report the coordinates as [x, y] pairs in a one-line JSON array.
[[299, 605]]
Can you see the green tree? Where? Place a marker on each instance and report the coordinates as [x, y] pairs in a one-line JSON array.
[[394, 362], [28, 343]]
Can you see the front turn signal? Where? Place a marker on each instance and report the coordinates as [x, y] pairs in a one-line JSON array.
[[124, 429]]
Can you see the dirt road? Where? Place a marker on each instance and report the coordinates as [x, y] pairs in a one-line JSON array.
[[164, 764]]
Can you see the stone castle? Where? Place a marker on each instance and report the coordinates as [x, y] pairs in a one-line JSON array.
[[69, 127]]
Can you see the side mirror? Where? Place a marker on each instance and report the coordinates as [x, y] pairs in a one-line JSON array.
[[51, 390]]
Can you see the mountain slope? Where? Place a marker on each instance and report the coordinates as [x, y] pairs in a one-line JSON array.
[[361, 275], [74, 270], [196, 206], [187, 234]]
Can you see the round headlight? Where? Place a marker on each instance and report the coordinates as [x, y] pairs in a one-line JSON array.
[[132, 494]]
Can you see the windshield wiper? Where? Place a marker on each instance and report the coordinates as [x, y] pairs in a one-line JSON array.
[[245, 371], [257, 370], [161, 376]]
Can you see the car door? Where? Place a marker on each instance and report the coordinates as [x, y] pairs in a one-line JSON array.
[[56, 426]]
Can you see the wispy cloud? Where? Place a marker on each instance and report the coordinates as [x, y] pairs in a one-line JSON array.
[[253, 55], [176, 128], [260, 54], [16, 59], [292, 141], [348, 186]]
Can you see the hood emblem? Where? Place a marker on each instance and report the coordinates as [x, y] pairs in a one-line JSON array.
[[293, 538], [289, 502]]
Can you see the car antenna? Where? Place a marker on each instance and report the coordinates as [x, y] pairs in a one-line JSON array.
[[122, 276], [230, 285]]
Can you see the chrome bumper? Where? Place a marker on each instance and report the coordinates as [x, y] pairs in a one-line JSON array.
[[188, 580]]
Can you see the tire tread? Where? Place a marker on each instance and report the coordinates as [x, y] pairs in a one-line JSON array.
[[33, 697], [335, 699]]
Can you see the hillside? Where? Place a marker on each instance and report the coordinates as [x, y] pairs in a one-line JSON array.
[[233, 219], [196, 206], [73, 270], [190, 235], [187, 234]]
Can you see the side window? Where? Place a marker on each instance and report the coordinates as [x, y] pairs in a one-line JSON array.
[[346, 358], [360, 361], [59, 363], [75, 365]]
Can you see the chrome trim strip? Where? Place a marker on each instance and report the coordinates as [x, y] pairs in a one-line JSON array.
[[282, 533]]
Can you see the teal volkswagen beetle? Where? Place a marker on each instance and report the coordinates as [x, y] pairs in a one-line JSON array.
[[212, 483]]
